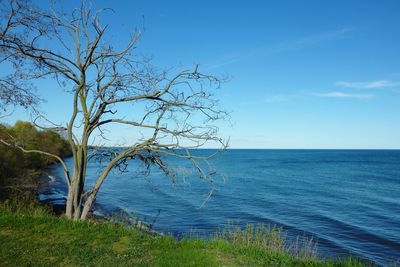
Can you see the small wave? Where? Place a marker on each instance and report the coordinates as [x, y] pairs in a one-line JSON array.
[[52, 178]]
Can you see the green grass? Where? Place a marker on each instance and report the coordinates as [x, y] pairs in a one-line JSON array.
[[36, 239]]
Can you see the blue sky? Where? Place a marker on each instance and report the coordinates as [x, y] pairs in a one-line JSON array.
[[304, 74]]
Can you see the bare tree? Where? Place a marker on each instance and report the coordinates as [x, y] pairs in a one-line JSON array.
[[14, 90], [175, 113]]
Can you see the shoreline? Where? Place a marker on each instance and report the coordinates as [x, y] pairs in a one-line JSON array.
[[44, 182], [58, 209]]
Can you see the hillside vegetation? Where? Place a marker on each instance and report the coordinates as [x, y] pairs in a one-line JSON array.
[[18, 170]]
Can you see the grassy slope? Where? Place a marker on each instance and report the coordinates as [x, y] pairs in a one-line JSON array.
[[47, 241]]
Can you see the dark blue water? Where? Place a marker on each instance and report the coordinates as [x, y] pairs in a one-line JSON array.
[[347, 199]]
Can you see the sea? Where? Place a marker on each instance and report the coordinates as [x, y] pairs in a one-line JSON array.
[[347, 201]]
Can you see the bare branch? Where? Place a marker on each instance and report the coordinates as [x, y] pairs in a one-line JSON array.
[[173, 110]]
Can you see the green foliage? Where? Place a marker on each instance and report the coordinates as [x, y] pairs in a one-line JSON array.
[[16, 164], [47, 241]]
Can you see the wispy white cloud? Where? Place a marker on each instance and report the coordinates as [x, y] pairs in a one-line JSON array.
[[302, 94], [225, 62], [276, 98], [368, 85], [311, 40], [336, 94], [289, 45]]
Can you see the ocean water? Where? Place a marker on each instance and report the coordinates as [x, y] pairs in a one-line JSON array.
[[347, 200]]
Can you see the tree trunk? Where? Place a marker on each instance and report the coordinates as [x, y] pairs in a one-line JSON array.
[[69, 206], [87, 207], [92, 196], [77, 213], [77, 190]]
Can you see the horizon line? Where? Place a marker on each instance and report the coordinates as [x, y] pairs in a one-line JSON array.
[[265, 148]]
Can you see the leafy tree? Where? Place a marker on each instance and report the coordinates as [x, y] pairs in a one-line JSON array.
[[24, 135]]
